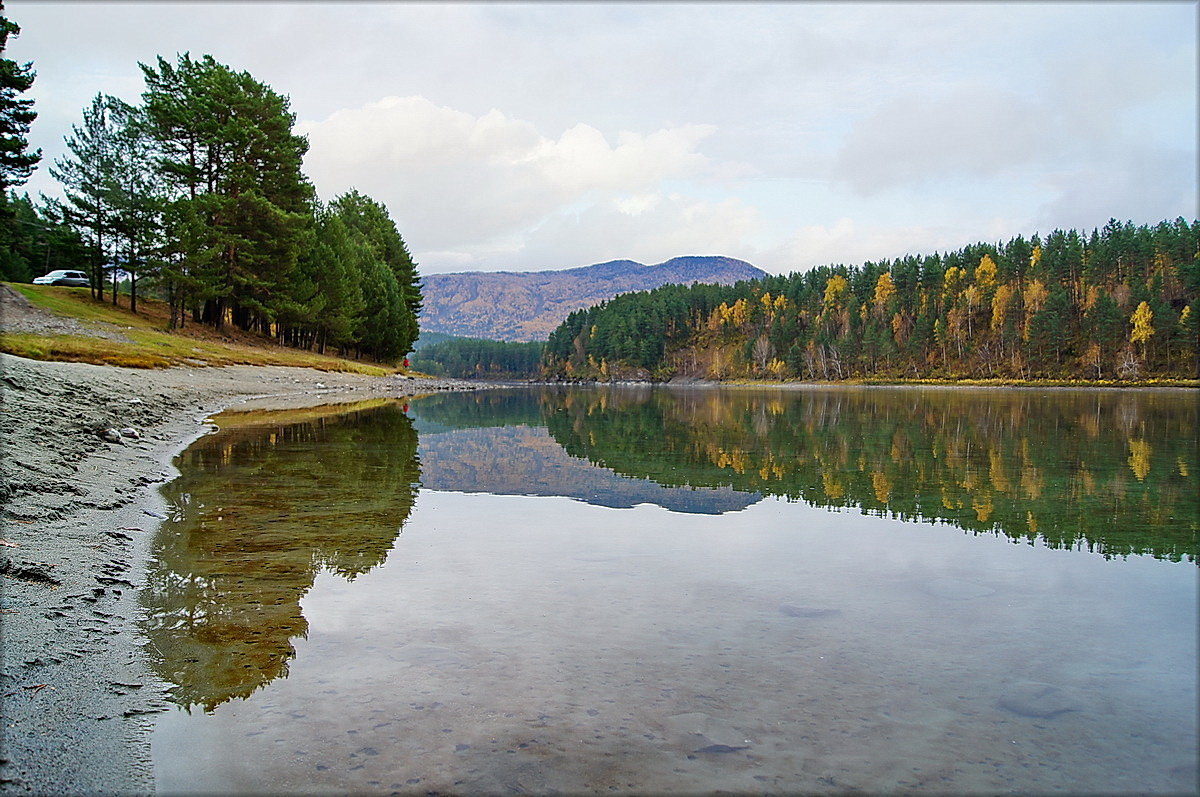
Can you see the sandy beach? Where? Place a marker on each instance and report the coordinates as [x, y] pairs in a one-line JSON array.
[[84, 449]]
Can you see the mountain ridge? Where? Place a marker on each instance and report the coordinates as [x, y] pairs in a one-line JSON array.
[[528, 305]]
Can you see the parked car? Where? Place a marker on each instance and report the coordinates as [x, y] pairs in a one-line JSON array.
[[75, 279]]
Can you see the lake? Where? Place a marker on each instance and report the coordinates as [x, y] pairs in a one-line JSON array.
[[684, 590]]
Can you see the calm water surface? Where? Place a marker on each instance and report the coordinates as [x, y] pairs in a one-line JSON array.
[[652, 590]]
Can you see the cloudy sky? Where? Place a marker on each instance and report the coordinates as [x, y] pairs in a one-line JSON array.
[[534, 136]]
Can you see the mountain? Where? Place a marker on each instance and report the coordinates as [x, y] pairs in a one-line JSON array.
[[526, 460], [513, 305]]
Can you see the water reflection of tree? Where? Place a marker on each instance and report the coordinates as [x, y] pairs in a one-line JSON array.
[[1112, 473], [495, 441], [479, 409], [256, 513]]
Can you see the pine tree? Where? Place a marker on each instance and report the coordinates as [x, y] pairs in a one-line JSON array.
[[1189, 333], [85, 173], [383, 323], [332, 266], [229, 152], [1048, 328], [1106, 325], [16, 115], [370, 223], [134, 195]]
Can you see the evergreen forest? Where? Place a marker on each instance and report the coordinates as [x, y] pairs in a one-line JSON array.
[[479, 358], [196, 196], [1119, 303]]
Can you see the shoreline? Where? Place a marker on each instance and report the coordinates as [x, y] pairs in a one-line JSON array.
[[851, 385], [77, 698]]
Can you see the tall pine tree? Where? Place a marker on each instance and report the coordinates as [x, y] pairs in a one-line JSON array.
[[17, 162], [370, 223], [243, 204], [85, 172]]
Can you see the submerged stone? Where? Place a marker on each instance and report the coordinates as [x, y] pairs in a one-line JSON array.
[[1040, 700], [697, 729], [722, 748]]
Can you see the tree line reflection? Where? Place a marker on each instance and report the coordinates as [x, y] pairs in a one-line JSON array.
[[257, 512], [265, 505], [1113, 473]]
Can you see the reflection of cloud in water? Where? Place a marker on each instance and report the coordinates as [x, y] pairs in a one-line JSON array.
[[523, 460]]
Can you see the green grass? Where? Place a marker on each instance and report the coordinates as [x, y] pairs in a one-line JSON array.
[[80, 349], [151, 344], [78, 303]]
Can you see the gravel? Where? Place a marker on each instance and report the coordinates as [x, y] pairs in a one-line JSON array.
[[19, 315]]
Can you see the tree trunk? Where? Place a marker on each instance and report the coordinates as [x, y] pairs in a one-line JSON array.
[[98, 276]]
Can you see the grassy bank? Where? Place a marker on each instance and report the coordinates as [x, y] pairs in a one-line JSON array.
[[149, 343]]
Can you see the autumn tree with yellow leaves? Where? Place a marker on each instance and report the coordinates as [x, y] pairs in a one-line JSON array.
[[1069, 305]]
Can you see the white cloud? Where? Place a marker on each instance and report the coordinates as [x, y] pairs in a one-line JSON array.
[[649, 228], [969, 134], [452, 179], [638, 204], [921, 123], [1090, 130], [849, 243], [1145, 186], [582, 160]]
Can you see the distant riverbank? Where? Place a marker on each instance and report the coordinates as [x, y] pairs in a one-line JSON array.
[[972, 383]]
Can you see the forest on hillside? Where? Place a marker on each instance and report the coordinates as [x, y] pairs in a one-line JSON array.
[[479, 358], [196, 196], [1119, 303]]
